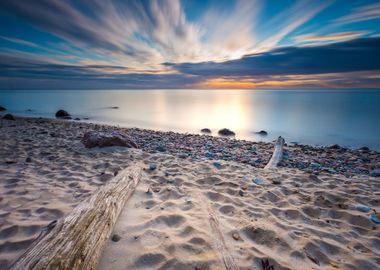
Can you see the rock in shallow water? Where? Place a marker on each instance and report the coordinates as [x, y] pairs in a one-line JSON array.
[[206, 130], [2, 109], [9, 116], [226, 132], [105, 139], [62, 114]]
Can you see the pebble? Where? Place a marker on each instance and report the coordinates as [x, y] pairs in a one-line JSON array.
[[363, 208], [116, 238], [235, 236], [217, 165], [241, 193], [375, 173], [152, 166], [276, 182], [258, 181]]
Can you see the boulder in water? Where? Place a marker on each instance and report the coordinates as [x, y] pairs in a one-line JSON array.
[[226, 132], [9, 116], [62, 114], [105, 139], [2, 109], [262, 133], [206, 130]]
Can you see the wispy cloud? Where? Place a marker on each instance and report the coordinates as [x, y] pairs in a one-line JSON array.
[[334, 37], [362, 13]]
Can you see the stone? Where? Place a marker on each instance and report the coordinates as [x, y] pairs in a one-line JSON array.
[[364, 149], [160, 148], [28, 159], [334, 146], [62, 114], [226, 132], [262, 133], [2, 109], [276, 182], [116, 238], [114, 107], [152, 166], [9, 116], [206, 130], [374, 173], [235, 236], [105, 139], [217, 165], [77, 119], [241, 193]]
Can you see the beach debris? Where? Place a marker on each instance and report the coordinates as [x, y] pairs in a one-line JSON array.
[[262, 133], [2, 109], [375, 173], [226, 132], [116, 238], [217, 165], [375, 217], [206, 130], [266, 265], [9, 116], [105, 139], [62, 114], [152, 166], [258, 181], [363, 208], [235, 236]]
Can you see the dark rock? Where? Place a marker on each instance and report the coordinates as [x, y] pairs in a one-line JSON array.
[[217, 165], [116, 238], [161, 148], [9, 116], [206, 130], [226, 132], [62, 114], [262, 133], [29, 110], [276, 182], [334, 146], [28, 159], [2, 109], [364, 148], [77, 119], [375, 173], [152, 166], [241, 193], [105, 139], [114, 107]]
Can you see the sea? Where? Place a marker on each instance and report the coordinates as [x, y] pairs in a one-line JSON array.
[[350, 118]]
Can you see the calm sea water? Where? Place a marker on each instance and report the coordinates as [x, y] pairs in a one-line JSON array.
[[350, 118]]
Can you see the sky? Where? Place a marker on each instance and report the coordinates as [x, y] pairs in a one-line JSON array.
[[170, 44]]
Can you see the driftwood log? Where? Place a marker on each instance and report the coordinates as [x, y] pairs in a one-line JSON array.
[[220, 243], [77, 241], [277, 154]]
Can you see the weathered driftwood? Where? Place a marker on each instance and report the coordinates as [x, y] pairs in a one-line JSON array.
[[277, 154], [226, 256], [76, 241]]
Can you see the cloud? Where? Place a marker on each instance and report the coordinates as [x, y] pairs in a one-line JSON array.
[[355, 55], [147, 33], [362, 13], [334, 37]]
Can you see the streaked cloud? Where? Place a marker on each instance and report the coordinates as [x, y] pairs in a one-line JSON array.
[[362, 13], [329, 38]]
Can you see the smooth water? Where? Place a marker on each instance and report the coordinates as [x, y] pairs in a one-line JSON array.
[[349, 118]]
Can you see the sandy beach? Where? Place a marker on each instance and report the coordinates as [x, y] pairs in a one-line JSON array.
[[302, 215]]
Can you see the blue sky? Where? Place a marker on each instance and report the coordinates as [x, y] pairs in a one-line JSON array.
[[56, 44]]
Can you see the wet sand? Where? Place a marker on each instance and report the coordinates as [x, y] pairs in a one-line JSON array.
[[295, 218]]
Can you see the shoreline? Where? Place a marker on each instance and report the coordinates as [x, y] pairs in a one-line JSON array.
[[46, 171], [311, 159]]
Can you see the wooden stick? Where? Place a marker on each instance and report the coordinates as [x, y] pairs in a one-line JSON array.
[[277, 154], [76, 241], [226, 256]]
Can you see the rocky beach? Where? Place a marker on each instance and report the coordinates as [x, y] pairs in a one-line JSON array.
[[306, 214]]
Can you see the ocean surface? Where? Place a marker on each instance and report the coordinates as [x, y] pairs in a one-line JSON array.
[[350, 118]]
